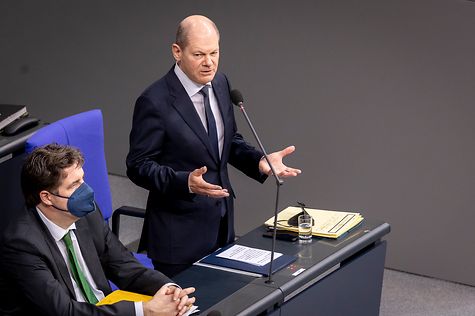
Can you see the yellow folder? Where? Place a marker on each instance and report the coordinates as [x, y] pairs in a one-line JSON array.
[[120, 295], [329, 224]]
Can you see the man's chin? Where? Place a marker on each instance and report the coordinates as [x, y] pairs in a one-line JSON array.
[[204, 79]]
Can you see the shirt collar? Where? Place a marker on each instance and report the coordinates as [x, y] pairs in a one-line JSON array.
[[190, 86], [56, 231]]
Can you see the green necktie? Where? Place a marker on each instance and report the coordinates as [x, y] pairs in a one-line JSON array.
[[76, 271]]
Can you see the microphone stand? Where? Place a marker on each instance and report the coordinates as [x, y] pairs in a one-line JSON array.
[[278, 183]]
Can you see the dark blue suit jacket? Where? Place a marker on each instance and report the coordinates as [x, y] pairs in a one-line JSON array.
[[34, 278], [167, 142]]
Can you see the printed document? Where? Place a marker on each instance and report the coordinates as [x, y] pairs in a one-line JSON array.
[[249, 255]]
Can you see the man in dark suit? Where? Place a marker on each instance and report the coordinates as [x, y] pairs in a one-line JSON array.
[[57, 258], [182, 139]]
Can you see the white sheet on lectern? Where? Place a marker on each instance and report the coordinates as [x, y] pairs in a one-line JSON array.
[[249, 255]]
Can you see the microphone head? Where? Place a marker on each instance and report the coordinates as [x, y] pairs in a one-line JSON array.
[[236, 97]]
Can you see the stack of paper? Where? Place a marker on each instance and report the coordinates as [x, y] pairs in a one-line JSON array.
[[330, 224]]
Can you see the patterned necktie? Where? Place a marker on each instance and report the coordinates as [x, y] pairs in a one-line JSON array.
[[212, 130], [76, 271]]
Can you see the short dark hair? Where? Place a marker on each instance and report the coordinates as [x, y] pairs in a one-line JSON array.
[[43, 170], [181, 35]]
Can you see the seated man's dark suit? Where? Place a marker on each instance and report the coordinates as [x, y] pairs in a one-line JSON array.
[[167, 142], [36, 280]]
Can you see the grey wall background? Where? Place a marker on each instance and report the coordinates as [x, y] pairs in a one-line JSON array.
[[377, 96]]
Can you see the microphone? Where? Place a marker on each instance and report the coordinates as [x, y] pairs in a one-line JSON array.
[[236, 97], [238, 100], [214, 313]]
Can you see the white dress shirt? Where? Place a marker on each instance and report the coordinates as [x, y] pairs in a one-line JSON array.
[[193, 90]]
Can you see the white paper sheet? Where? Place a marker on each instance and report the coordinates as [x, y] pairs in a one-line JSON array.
[[249, 255]]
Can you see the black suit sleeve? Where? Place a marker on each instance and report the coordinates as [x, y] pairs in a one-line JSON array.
[[33, 287], [243, 156], [119, 265], [36, 286], [246, 158], [146, 142]]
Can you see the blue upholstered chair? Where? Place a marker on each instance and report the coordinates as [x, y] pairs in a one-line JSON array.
[[85, 131]]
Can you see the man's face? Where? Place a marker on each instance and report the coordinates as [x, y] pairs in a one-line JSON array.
[[200, 57], [74, 178]]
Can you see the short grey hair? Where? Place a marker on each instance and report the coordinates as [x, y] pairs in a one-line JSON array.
[[181, 38]]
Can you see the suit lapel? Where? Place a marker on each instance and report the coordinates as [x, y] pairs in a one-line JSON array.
[[183, 104], [89, 253], [222, 95], [57, 258]]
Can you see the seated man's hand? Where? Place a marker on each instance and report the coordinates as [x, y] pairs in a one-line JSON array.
[[162, 304], [198, 185], [181, 296]]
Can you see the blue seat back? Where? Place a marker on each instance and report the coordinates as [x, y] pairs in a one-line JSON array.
[[84, 131]]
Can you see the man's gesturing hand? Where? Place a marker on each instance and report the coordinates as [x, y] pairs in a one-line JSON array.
[[276, 160], [198, 185]]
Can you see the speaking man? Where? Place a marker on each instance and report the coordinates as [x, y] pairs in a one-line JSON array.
[[183, 137]]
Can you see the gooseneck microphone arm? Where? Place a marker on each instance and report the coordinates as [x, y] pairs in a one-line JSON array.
[[238, 100]]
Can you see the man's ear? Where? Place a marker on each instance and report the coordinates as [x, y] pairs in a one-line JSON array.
[[176, 52], [45, 197]]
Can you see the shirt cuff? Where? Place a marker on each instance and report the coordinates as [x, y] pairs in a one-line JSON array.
[[138, 308], [262, 158], [173, 284]]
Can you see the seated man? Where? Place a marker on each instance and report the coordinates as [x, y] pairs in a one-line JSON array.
[[57, 258]]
